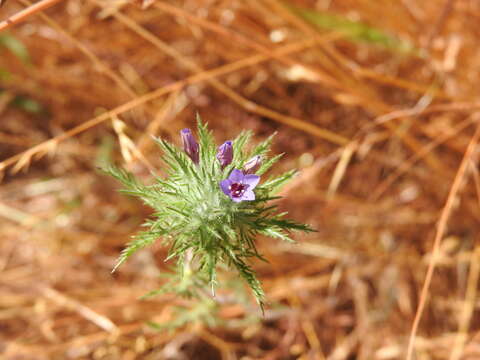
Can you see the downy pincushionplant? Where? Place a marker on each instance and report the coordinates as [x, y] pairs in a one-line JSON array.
[[210, 209]]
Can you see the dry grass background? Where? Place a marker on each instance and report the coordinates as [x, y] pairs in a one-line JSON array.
[[387, 144]]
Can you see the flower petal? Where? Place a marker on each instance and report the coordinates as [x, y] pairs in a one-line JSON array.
[[236, 199], [248, 195], [225, 186], [236, 176], [251, 180]]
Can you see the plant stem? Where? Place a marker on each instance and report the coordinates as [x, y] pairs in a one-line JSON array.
[[27, 12], [187, 263]]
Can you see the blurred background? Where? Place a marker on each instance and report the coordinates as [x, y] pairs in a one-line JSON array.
[[374, 102]]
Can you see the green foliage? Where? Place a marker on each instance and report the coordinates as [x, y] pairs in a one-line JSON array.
[[4, 75], [28, 105], [105, 150], [203, 228], [200, 312], [353, 30], [16, 47], [22, 102]]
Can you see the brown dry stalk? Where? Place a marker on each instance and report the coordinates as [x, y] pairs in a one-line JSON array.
[[447, 11], [320, 76], [279, 9], [97, 62], [441, 227], [407, 165], [310, 333], [25, 13], [42, 148], [364, 72], [341, 169], [88, 313], [355, 92], [468, 308], [476, 180], [247, 104], [166, 111], [128, 149], [88, 340]]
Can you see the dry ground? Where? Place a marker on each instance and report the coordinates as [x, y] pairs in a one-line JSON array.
[[386, 141]]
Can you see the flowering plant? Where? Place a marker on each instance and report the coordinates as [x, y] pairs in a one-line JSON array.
[[210, 209]]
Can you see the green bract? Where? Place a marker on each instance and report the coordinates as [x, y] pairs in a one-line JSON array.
[[202, 226]]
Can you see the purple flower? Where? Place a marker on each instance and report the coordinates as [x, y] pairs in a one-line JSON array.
[[252, 165], [225, 154], [239, 187], [190, 145]]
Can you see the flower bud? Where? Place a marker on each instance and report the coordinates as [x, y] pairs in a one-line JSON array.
[[252, 165], [190, 145], [225, 154]]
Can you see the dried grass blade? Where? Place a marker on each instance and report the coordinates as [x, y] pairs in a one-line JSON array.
[[440, 231], [25, 13], [176, 86]]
